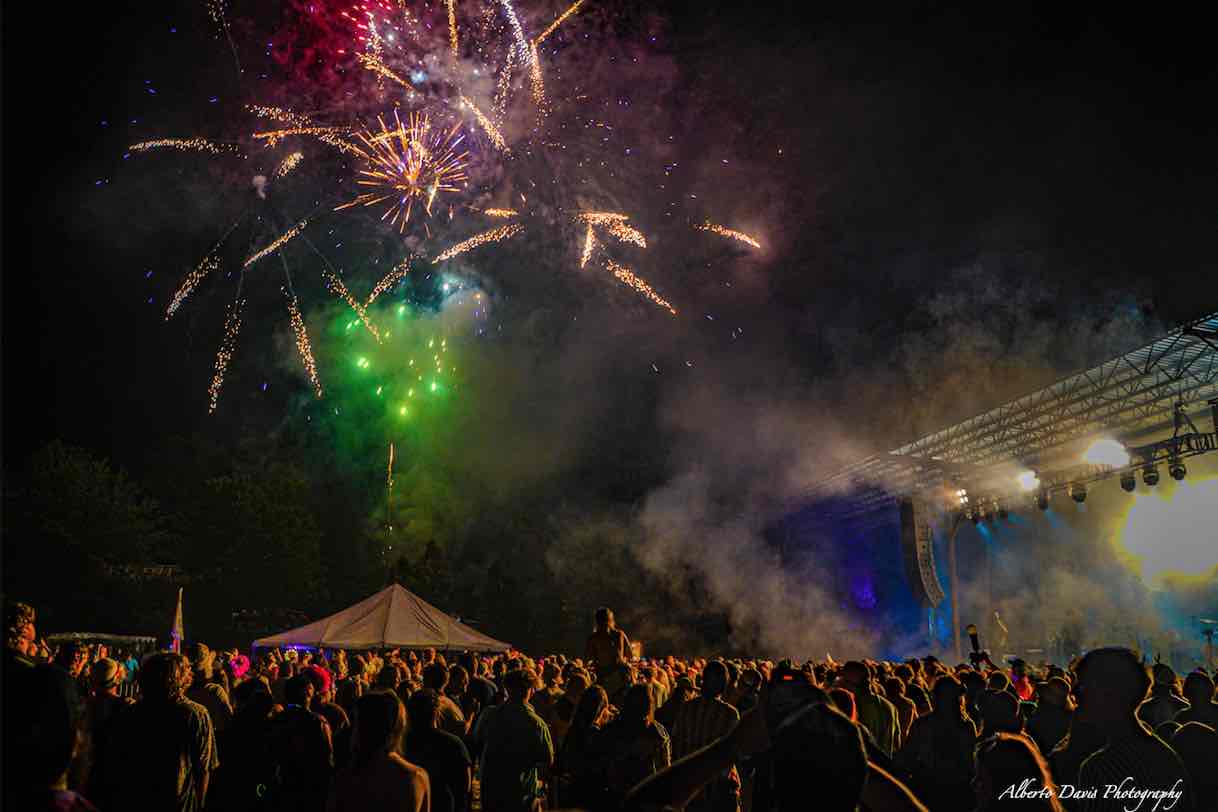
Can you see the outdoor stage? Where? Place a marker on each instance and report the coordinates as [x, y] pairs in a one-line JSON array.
[[1082, 514]]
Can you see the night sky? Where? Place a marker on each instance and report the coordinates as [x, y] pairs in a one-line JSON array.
[[956, 196]]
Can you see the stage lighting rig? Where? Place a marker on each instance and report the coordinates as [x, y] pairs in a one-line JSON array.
[[1042, 500], [1078, 492], [1150, 476], [1176, 469], [1128, 481]]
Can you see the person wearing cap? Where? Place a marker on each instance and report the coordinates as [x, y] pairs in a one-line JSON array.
[[1165, 700], [1019, 680], [106, 678]]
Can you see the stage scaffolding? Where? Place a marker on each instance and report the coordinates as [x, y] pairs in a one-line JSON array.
[[1167, 385]]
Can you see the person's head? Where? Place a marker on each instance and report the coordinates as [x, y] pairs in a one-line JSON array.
[[300, 689], [1019, 668], [1055, 692], [577, 682], [714, 679], [422, 709], [591, 708], [380, 723], [201, 658], [750, 681], [894, 688], [322, 682], [948, 696], [253, 696], [855, 678], [1112, 682], [843, 700], [1006, 760], [1164, 676], [458, 680], [435, 677], [636, 706], [998, 681], [105, 676], [1000, 713], [19, 633], [1198, 688], [604, 619], [164, 677], [518, 684], [71, 657]]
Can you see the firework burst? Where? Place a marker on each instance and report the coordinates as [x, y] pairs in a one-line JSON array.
[[494, 235], [409, 164], [729, 233]]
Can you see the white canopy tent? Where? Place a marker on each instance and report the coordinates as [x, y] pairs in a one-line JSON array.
[[393, 618]]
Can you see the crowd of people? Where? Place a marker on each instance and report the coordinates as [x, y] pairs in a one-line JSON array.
[[427, 730]]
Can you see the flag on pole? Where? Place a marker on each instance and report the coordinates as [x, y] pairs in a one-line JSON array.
[[178, 633]]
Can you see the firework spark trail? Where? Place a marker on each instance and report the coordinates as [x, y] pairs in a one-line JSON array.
[[232, 328], [730, 233], [303, 346], [589, 246], [288, 164], [276, 244], [452, 26], [374, 63], [186, 145], [391, 279], [500, 212], [217, 9], [327, 135], [209, 263], [528, 55], [494, 235], [626, 233], [389, 473], [601, 218], [410, 163], [627, 277], [552, 27], [488, 126], [503, 85], [337, 286]]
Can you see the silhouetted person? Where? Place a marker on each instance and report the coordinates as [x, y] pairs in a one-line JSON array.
[[43, 721], [303, 748], [939, 751], [1165, 700], [1000, 714], [1197, 746], [699, 722], [608, 648], [379, 779], [161, 752], [1112, 683], [1199, 691], [582, 771], [874, 711], [517, 750], [1012, 774], [437, 751], [1051, 721], [634, 744]]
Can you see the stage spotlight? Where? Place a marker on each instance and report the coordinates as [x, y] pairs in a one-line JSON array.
[[1128, 481], [1028, 481], [1078, 492], [1042, 500], [962, 495], [1177, 470], [1150, 476]]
